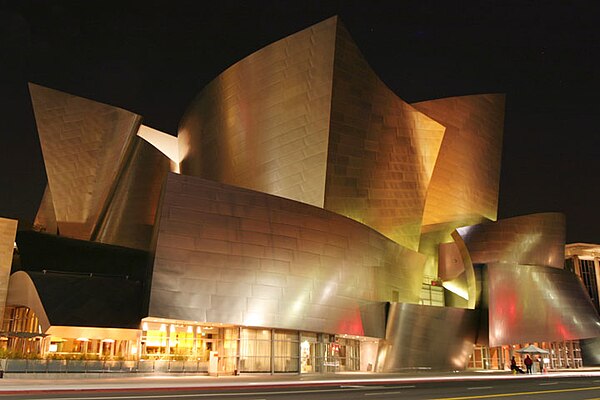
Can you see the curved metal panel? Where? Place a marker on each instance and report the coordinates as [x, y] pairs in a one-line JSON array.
[[426, 337], [534, 303], [8, 232], [466, 178], [307, 119], [232, 255], [131, 213], [536, 239], [381, 151], [83, 143], [263, 123], [22, 292]]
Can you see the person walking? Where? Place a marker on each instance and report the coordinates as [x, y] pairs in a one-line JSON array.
[[528, 363]]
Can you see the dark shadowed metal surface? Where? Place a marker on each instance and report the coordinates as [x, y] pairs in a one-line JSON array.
[[590, 351], [131, 212], [427, 337]]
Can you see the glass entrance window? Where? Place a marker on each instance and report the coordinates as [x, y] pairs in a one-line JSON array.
[[255, 350], [348, 351], [285, 351], [176, 341], [308, 352]]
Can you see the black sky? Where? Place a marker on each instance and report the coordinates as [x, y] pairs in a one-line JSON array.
[[152, 57]]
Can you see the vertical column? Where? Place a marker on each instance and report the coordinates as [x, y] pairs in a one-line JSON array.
[[272, 351], [597, 273], [577, 266], [8, 231], [299, 361]]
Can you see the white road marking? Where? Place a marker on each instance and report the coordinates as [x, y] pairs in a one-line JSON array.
[[383, 393], [548, 383], [480, 387]]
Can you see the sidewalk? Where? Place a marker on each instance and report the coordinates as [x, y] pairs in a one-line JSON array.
[[28, 383]]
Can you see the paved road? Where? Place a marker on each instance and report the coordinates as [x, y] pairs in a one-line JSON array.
[[530, 388]]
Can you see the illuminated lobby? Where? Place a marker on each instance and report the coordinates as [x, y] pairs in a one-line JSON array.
[[303, 219]]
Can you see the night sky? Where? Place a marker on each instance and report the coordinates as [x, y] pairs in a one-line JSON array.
[[153, 57]]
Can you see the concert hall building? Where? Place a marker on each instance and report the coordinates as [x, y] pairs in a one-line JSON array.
[[303, 219]]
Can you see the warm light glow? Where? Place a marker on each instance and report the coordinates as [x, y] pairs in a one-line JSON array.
[[164, 142], [456, 289], [83, 339]]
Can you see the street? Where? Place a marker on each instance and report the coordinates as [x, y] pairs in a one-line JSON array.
[[499, 387]]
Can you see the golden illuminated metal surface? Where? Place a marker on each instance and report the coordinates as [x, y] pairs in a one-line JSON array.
[[307, 119], [131, 212], [83, 143], [530, 303], [535, 239], [263, 123], [473, 286], [8, 232], [232, 255], [466, 178], [427, 337], [381, 153], [45, 219], [457, 289]]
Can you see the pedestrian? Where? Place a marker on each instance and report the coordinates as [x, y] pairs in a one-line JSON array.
[[528, 363], [541, 364], [514, 367]]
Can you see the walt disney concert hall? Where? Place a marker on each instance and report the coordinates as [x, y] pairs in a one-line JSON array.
[[304, 219]]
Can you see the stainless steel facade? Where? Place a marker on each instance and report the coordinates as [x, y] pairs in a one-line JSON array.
[[263, 123], [311, 198], [84, 144], [235, 256], [534, 303], [424, 337], [466, 178], [381, 152], [536, 239], [131, 212], [104, 181]]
